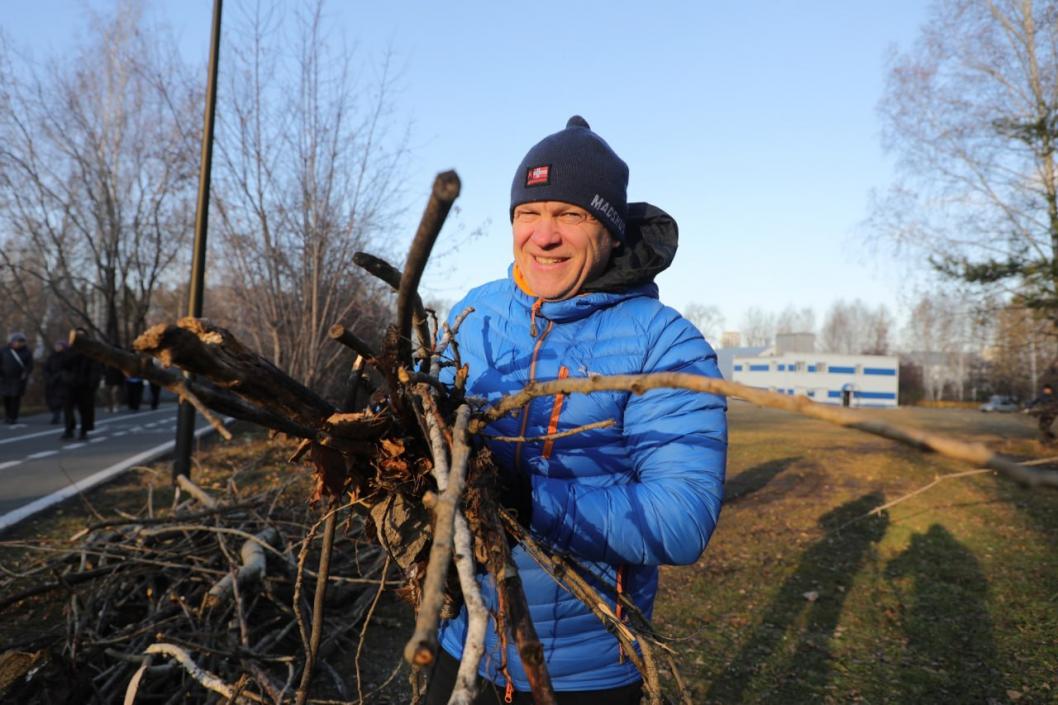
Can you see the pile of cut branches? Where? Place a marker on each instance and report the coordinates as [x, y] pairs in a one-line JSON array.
[[209, 598]]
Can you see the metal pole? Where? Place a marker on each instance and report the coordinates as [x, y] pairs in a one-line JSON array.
[[185, 425]]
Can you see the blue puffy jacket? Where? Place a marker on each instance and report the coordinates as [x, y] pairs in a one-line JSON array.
[[623, 499]]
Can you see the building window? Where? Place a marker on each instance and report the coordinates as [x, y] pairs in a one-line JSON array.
[[883, 371], [821, 367]]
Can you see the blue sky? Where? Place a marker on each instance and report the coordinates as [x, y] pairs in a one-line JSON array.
[[753, 123]]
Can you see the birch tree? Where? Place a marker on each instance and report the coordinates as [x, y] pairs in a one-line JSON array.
[[971, 113]]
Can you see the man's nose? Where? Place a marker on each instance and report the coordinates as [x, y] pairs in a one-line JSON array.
[[546, 233]]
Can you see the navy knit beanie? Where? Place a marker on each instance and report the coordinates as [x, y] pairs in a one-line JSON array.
[[575, 166]]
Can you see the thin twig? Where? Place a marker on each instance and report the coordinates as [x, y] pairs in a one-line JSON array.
[[319, 600], [449, 338], [554, 436], [363, 629], [940, 478]]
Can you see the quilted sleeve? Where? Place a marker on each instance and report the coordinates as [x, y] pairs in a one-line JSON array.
[[678, 442]]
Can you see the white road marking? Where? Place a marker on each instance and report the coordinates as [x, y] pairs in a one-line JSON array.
[[115, 434], [72, 446], [17, 515], [42, 454], [98, 439], [98, 423], [10, 463]]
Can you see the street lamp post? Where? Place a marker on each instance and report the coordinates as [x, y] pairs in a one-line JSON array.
[[185, 425]]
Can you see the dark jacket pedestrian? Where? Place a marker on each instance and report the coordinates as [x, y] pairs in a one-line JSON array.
[[55, 388], [115, 381], [1045, 408], [16, 363], [134, 392], [81, 376]]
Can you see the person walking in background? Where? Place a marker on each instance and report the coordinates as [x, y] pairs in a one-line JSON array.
[[55, 388], [81, 376], [114, 379], [1045, 408], [134, 392], [16, 362]]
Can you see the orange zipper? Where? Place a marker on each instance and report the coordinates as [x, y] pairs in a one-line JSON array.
[[532, 378], [556, 410]]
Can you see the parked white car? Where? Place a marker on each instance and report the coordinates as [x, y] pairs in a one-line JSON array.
[[998, 402]]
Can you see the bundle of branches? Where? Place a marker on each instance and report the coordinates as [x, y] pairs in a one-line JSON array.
[[402, 450], [206, 599]]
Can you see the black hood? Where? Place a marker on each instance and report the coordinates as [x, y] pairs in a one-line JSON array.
[[648, 249]]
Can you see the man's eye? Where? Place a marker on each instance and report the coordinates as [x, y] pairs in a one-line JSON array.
[[571, 218], [526, 215]]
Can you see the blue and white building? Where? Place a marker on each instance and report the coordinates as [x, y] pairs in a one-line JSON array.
[[828, 378]]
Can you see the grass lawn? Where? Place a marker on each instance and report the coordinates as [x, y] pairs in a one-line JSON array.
[[948, 597]]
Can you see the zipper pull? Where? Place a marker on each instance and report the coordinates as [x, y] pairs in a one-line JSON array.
[[532, 317]]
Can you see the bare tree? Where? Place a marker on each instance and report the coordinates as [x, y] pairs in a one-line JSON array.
[[97, 176], [972, 112], [794, 320], [758, 327], [856, 328], [307, 175], [707, 319], [939, 336], [1023, 351]]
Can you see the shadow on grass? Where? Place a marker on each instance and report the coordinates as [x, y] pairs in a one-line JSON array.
[[787, 659], [755, 479], [951, 654]]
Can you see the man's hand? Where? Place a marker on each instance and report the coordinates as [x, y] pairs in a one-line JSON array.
[[516, 494]]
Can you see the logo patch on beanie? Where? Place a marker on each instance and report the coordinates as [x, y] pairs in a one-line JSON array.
[[538, 175]]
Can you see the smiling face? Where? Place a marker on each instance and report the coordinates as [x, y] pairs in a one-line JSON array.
[[558, 247]]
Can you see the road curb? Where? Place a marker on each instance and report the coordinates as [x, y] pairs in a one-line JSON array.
[[38, 505]]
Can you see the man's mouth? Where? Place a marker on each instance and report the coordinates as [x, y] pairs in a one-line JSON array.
[[549, 260]]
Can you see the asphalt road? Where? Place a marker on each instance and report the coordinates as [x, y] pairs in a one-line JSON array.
[[37, 467]]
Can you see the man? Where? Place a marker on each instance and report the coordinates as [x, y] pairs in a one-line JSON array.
[[82, 376], [1045, 409], [16, 362], [55, 387], [580, 300]]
